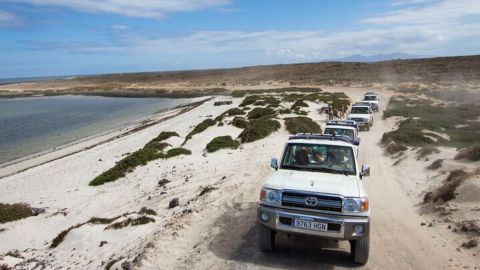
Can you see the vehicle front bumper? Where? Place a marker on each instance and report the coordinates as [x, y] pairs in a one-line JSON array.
[[339, 227]]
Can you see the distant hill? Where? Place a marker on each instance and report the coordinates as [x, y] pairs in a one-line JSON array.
[[378, 57], [440, 69]]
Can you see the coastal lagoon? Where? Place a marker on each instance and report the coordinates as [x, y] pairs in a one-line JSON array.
[[35, 124]]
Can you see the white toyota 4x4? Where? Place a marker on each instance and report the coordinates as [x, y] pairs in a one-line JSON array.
[[317, 190]]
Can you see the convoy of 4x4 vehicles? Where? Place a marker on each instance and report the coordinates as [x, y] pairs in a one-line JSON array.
[[317, 189]]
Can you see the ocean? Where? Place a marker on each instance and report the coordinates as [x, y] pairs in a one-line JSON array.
[[35, 124]]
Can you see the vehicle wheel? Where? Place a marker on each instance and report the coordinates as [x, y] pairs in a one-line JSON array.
[[266, 238], [360, 249], [368, 127]]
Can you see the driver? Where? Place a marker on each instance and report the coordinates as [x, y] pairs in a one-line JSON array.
[[318, 157]]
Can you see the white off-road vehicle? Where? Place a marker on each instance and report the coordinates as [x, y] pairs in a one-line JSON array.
[[362, 114], [347, 128], [372, 98], [317, 190]]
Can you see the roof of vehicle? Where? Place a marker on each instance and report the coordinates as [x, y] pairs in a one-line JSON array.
[[308, 138], [347, 123], [370, 94], [361, 104], [339, 127]]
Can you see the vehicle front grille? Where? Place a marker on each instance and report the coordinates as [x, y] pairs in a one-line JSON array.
[[358, 119], [324, 202]]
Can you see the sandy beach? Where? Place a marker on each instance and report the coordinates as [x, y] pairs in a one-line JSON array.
[[214, 230]]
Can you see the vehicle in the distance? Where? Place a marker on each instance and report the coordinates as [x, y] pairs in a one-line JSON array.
[[362, 114], [372, 98], [347, 128], [317, 190]]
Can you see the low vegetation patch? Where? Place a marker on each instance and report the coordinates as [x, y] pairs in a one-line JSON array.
[[470, 153], [446, 191], [200, 128], [239, 122], [435, 165], [130, 222], [235, 111], [137, 158], [147, 211], [261, 113], [16, 211], [296, 125], [259, 129], [457, 122], [61, 236], [298, 104], [222, 142], [242, 93], [206, 190], [284, 111], [425, 151]]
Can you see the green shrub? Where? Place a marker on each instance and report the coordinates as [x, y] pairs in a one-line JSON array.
[[221, 143], [239, 122], [249, 100], [435, 165], [298, 104], [238, 93], [296, 125], [130, 221], [147, 211], [285, 111], [471, 153], [61, 236], [200, 128], [425, 151], [97, 220], [157, 142], [160, 146], [235, 111], [16, 211], [261, 112], [165, 135], [137, 158], [300, 112], [258, 129]]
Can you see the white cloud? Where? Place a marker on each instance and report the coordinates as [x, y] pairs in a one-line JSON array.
[[437, 12], [132, 8], [8, 19], [312, 45], [120, 27]]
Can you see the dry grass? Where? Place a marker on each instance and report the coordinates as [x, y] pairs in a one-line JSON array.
[[447, 191], [12, 212], [471, 153]]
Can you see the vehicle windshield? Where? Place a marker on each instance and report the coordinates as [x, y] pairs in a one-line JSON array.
[[319, 157], [340, 132], [370, 98], [359, 110]]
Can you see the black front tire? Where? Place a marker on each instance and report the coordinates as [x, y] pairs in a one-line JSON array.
[[266, 238], [360, 250]]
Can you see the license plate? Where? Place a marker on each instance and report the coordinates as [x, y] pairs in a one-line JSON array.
[[310, 225]]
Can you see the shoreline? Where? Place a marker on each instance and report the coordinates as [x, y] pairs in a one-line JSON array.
[[17, 165]]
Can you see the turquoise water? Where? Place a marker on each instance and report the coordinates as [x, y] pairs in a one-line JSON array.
[[34, 124]]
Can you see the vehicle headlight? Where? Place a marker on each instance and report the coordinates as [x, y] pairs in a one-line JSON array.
[[271, 196], [355, 205]]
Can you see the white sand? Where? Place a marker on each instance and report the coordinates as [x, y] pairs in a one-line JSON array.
[[217, 230]]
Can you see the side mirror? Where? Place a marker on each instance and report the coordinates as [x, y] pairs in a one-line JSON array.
[[365, 170], [356, 142], [274, 163]]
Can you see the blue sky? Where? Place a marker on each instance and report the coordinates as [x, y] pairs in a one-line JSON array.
[[66, 37]]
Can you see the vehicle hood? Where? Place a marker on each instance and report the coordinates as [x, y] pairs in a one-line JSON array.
[[338, 184], [366, 116]]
